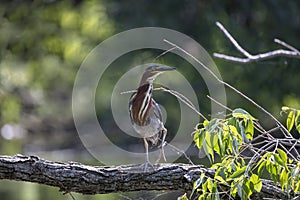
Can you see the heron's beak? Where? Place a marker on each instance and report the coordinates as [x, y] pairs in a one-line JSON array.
[[163, 68]]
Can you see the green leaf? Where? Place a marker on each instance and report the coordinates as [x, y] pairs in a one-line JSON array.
[[241, 113], [249, 129], [243, 133], [211, 125], [248, 188], [283, 179], [183, 197], [283, 156], [241, 191], [209, 142], [204, 187], [221, 148], [297, 187], [261, 168], [256, 182], [238, 173], [278, 160], [206, 151], [274, 173], [210, 185], [197, 184], [198, 138], [290, 120], [235, 146], [233, 189], [220, 179], [297, 121]]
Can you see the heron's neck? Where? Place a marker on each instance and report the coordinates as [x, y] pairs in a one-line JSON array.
[[146, 79], [145, 88]]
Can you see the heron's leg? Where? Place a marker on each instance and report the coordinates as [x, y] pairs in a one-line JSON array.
[[146, 148], [162, 152], [147, 156]]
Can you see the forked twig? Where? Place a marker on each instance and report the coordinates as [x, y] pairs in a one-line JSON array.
[[292, 52]]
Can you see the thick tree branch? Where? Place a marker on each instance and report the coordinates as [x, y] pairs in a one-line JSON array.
[[292, 52], [75, 177]]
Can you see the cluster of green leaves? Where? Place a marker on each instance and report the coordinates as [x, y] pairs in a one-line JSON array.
[[225, 136], [293, 118], [241, 175], [281, 169]]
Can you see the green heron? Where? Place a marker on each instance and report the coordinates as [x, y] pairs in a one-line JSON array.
[[145, 114]]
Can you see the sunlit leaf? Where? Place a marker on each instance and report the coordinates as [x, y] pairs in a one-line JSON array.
[[248, 188], [278, 160], [283, 178], [238, 173], [290, 120], [241, 113], [297, 187], [204, 187], [197, 184], [297, 121], [283, 156], [183, 197], [234, 189], [261, 167], [220, 179], [206, 151], [209, 141], [210, 185], [198, 138], [205, 123], [256, 182], [249, 129], [274, 173]]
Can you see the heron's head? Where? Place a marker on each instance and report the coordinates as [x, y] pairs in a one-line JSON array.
[[152, 71]]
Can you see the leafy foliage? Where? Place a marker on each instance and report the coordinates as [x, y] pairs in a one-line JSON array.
[[232, 139], [293, 118]]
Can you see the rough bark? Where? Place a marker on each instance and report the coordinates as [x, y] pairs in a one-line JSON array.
[[75, 177]]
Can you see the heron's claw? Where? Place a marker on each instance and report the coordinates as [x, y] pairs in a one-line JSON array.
[[148, 165]]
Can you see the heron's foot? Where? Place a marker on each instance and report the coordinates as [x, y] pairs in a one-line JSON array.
[[161, 153], [148, 166]]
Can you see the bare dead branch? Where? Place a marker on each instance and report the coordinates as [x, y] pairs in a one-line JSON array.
[[76, 177], [292, 52]]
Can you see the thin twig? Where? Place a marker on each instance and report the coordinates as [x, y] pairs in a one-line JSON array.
[[182, 152], [286, 45], [233, 41], [220, 104], [182, 98], [163, 53], [293, 52]]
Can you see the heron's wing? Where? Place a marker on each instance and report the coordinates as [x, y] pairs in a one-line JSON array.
[[157, 111]]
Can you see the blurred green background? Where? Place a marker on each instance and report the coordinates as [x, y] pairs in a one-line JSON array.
[[43, 44]]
